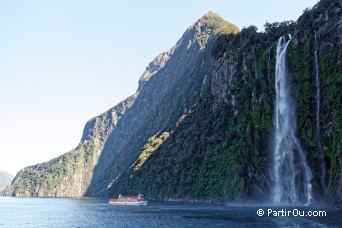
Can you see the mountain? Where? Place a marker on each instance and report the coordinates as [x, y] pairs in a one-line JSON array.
[[200, 124], [5, 179], [112, 140], [220, 148], [168, 88]]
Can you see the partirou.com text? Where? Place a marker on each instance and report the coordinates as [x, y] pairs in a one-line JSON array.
[[292, 212]]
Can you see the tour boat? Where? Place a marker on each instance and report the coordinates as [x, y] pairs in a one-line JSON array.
[[129, 200]]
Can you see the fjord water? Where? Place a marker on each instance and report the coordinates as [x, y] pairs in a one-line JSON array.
[[87, 212], [289, 169]]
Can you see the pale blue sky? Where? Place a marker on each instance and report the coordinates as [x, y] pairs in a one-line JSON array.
[[63, 62]]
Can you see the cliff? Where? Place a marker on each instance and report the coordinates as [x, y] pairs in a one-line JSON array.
[[200, 123], [168, 88], [220, 150], [71, 173]]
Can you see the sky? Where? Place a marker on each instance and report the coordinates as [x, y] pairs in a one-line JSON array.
[[64, 62]]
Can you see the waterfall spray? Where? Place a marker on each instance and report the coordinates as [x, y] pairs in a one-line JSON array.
[[318, 130], [289, 171]]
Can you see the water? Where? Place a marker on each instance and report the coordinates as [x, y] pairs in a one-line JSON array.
[[87, 212], [318, 131], [290, 172]]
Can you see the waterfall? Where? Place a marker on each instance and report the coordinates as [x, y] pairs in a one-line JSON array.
[[289, 171], [255, 64], [268, 70], [318, 131], [268, 65]]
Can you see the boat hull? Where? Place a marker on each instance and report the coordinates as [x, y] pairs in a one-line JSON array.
[[128, 203]]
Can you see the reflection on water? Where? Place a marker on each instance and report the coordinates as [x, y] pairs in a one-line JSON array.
[[89, 212]]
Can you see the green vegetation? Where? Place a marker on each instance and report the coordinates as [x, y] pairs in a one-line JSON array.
[[152, 144], [71, 173], [220, 150], [218, 109], [61, 176], [213, 21], [207, 155]]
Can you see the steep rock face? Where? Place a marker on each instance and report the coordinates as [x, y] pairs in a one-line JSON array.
[[323, 21], [200, 125], [154, 66], [174, 84], [216, 151], [70, 174], [168, 88], [220, 149]]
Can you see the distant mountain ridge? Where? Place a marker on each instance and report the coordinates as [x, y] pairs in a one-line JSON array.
[[5, 179]]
